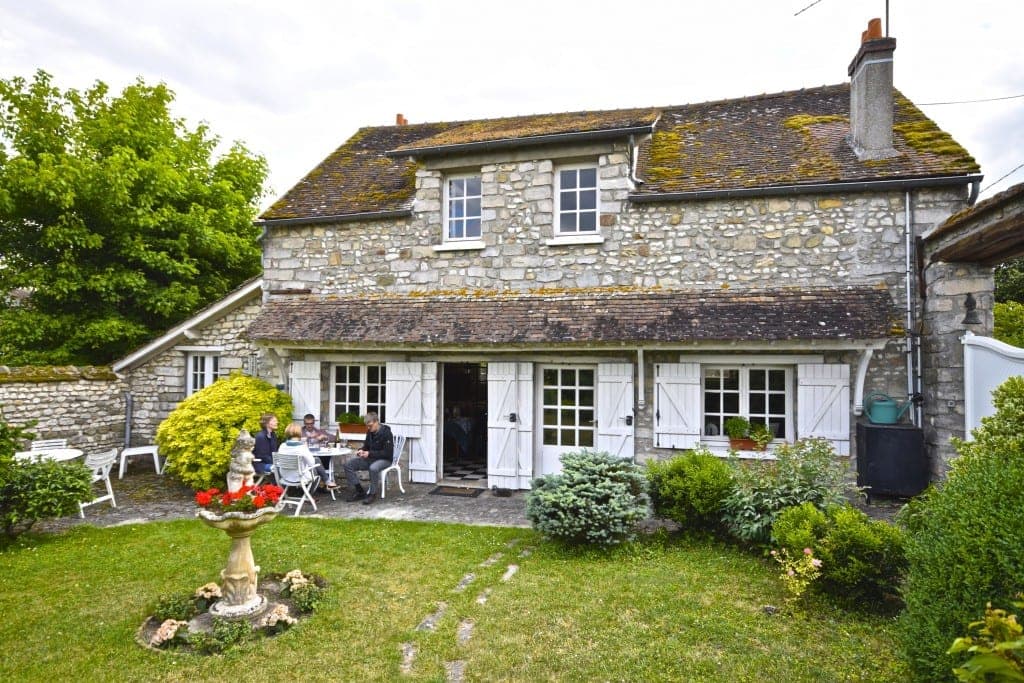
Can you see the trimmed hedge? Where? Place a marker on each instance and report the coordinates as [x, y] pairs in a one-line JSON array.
[[690, 488]]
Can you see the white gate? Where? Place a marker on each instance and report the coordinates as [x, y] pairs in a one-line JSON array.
[[987, 364]]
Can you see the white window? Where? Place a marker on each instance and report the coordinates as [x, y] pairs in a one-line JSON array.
[[359, 389], [568, 405], [763, 395], [577, 201], [201, 371], [462, 208]]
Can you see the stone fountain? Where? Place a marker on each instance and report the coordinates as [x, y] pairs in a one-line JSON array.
[[239, 578]]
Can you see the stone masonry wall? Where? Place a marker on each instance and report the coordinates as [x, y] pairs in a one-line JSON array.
[[159, 384], [83, 405]]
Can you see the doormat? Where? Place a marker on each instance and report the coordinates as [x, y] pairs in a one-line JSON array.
[[458, 491]]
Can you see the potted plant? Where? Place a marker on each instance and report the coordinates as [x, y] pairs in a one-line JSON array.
[[351, 423], [744, 436]]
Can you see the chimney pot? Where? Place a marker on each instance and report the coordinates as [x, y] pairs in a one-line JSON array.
[[400, 120], [874, 29]]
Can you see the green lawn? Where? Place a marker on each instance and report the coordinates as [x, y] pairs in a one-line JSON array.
[[676, 611]]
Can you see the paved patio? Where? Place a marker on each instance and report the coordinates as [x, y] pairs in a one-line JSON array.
[[143, 496]]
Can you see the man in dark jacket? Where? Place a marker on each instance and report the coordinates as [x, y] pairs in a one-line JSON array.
[[374, 456]]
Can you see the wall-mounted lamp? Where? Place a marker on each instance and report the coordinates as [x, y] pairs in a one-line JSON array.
[[971, 306]]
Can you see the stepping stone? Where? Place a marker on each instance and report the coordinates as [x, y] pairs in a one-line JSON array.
[[429, 623], [491, 560], [482, 598], [526, 552], [466, 580], [510, 572], [454, 670], [408, 655], [465, 631], [513, 543]]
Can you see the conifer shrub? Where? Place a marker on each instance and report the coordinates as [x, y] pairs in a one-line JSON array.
[[965, 539], [690, 488], [198, 435], [597, 499]]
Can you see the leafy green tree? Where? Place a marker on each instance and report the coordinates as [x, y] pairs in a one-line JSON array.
[[116, 222], [1010, 281], [1009, 322]]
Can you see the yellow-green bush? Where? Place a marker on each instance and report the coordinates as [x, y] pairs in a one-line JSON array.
[[198, 435]]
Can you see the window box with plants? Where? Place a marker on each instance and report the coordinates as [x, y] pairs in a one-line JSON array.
[[744, 436], [351, 423]]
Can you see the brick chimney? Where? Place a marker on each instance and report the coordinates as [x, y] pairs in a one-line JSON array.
[[871, 95], [401, 120]]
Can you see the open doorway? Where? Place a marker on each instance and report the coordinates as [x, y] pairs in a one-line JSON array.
[[464, 447]]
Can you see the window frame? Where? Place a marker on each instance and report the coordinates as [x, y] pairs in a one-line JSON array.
[[744, 399], [446, 209], [558, 232], [209, 373], [364, 383]]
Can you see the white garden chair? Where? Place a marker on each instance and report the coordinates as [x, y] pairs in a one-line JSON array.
[[291, 473], [139, 450], [395, 466], [48, 444], [100, 464]]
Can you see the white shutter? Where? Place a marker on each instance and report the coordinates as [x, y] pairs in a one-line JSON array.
[[823, 403], [404, 408], [615, 409], [524, 423], [502, 431], [677, 405], [423, 451], [304, 386]]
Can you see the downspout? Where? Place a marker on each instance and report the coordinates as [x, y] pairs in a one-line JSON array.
[[858, 387], [909, 325], [634, 154], [641, 385], [127, 419]]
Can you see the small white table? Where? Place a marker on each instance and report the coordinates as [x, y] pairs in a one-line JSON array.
[[54, 454], [139, 450]]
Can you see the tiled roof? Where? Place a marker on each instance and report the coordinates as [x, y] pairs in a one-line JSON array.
[[781, 139], [591, 317]]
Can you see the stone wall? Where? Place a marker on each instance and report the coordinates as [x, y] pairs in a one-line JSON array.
[[83, 405], [158, 385]]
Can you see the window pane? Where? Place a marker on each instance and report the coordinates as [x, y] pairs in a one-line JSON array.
[[777, 404], [568, 417], [712, 403], [473, 186], [586, 397], [712, 380], [757, 404], [588, 222], [371, 394], [473, 227], [777, 380], [567, 179], [373, 374], [731, 404], [456, 188], [550, 396], [353, 394], [586, 378], [550, 437], [587, 417], [569, 377], [568, 201], [587, 438], [455, 229], [712, 426], [550, 417], [472, 208], [588, 177], [456, 209], [757, 380], [588, 199], [731, 379], [568, 437], [550, 377], [568, 397], [567, 222]]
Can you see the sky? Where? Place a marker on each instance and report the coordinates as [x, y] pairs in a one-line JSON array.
[[293, 80]]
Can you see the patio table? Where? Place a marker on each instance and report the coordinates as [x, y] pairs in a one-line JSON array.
[[55, 454]]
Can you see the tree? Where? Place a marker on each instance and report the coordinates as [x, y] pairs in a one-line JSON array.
[[115, 221], [1010, 281]]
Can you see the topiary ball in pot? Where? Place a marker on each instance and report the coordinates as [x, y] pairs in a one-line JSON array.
[[598, 499]]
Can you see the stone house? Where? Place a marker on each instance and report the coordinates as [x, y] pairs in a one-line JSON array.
[[502, 291]]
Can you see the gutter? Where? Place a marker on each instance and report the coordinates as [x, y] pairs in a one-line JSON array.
[[339, 218], [505, 143], [903, 184]]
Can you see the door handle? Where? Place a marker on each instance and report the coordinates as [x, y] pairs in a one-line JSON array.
[[629, 420], [512, 417]]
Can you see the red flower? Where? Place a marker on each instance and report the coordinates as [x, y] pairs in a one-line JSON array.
[[259, 501], [203, 498]]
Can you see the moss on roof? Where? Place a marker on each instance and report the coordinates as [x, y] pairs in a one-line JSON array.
[[924, 136]]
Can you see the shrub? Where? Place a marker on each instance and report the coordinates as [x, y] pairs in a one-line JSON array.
[[996, 648], [690, 488], [198, 435], [863, 559], [597, 499], [805, 472], [966, 545], [1009, 322], [179, 607], [30, 490]]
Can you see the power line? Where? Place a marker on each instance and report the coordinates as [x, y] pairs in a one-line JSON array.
[[1004, 177], [807, 8], [987, 99]]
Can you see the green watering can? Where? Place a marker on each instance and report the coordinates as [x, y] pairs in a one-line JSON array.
[[883, 410]]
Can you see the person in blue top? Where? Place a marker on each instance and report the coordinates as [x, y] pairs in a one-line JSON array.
[[266, 444]]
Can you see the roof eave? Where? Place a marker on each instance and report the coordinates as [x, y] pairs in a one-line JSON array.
[[337, 218], [528, 141]]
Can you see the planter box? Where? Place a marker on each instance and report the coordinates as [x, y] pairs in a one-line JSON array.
[[744, 445], [352, 429]]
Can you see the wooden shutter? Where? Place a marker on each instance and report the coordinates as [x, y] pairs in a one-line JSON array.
[[404, 404], [304, 386], [423, 451], [524, 423], [677, 405], [823, 403], [502, 431], [615, 409]]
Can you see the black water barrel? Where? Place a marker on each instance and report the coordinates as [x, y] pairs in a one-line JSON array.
[[891, 459]]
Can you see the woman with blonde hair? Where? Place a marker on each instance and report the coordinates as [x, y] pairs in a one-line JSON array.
[[295, 445]]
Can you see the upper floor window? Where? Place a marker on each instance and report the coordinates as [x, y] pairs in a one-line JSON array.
[[577, 201], [462, 208], [359, 389], [201, 371]]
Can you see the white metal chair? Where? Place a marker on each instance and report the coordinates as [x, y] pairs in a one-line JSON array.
[[47, 444], [291, 473], [395, 466], [139, 450], [100, 464]]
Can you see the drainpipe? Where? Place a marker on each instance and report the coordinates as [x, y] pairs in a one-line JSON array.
[[634, 153], [858, 387], [641, 386], [127, 419], [909, 325]]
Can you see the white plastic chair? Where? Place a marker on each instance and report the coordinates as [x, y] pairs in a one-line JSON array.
[[47, 444], [139, 450], [395, 467], [100, 464], [291, 473]]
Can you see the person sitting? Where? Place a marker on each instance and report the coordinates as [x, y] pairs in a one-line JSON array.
[[266, 444], [296, 446], [374, 456], [311, 431]]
